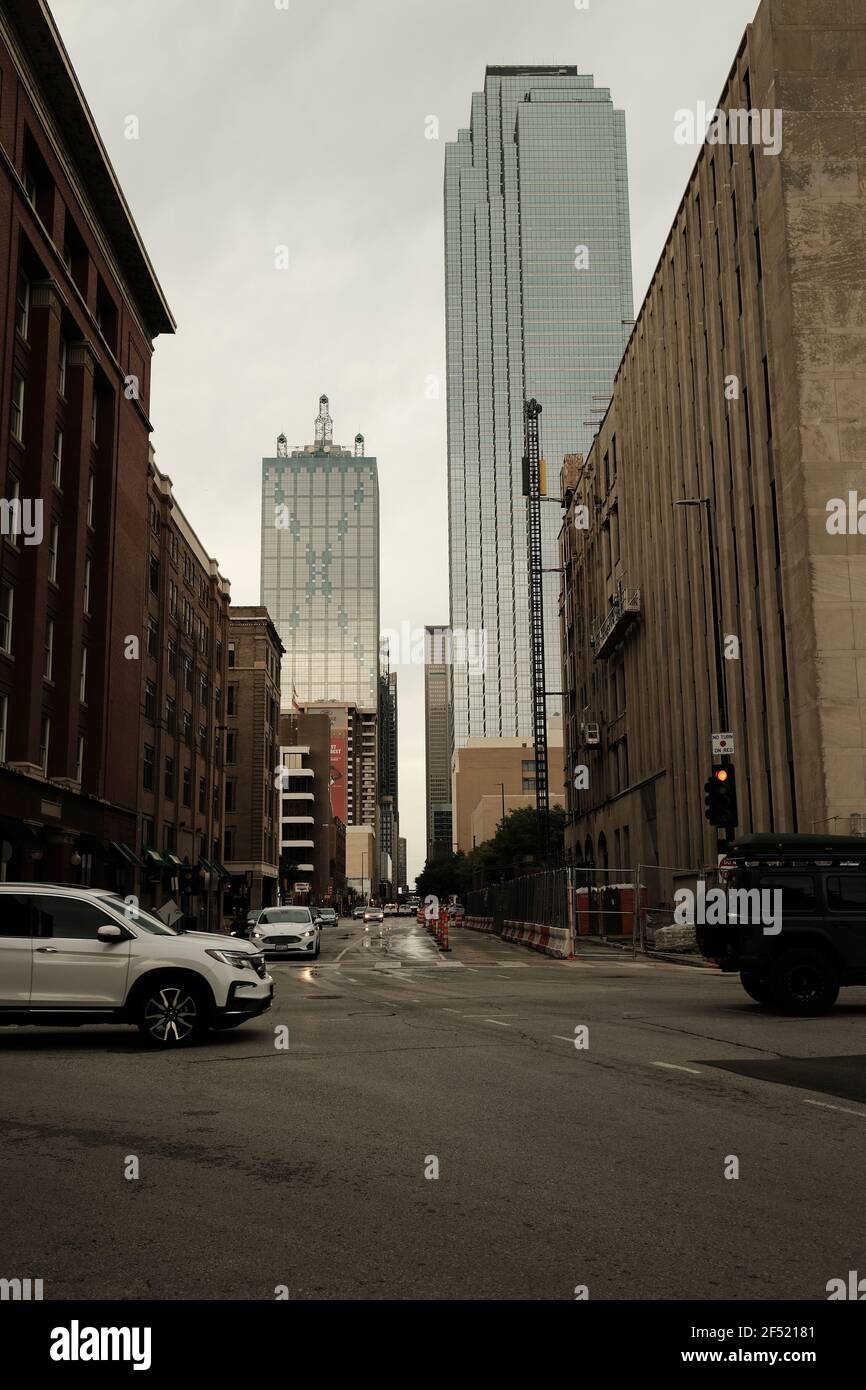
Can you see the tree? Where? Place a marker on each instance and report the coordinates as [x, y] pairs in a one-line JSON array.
[[515, 848]]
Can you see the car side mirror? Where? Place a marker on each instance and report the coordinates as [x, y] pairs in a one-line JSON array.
[[110, 933]]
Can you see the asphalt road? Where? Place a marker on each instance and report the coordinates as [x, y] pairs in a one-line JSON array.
[[558, 1166]]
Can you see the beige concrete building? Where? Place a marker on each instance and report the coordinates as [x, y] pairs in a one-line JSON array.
[[743, 383], [491, 777], [361, 860]]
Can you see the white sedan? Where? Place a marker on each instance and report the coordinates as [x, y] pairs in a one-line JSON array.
[[287, 931]]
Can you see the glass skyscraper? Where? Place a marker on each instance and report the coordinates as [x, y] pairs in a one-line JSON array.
[[538, 303], [320, 567]]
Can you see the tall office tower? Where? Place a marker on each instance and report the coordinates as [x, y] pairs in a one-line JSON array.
[[538, 301], [320, 567], [437, 740], [389, 825]]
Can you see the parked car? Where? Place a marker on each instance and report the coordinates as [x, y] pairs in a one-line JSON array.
[[327, 916], [820, 942], [71, 955], [287, 931], [373, 914]]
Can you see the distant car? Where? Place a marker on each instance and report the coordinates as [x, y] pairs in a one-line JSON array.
[[374, 914], [390, 909], [327, 916], [253, 917], [287, 931], [357, 913], [456, 911]]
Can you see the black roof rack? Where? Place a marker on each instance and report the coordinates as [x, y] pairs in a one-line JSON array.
[[802, 847]]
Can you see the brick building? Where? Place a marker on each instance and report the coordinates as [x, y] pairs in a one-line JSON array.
[[742, 392], [184, 656], [80, 307], [252, 757], [313, 838]]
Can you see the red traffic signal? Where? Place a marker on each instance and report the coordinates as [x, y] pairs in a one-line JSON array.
[[720, 797]]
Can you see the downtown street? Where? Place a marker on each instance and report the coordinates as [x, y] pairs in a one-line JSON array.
[[306, 1168]]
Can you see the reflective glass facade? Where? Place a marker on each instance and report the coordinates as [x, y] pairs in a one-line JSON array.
[[539, 174], [320, 572]]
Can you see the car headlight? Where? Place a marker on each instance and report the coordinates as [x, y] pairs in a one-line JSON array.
[[238, 960], [311, 931]]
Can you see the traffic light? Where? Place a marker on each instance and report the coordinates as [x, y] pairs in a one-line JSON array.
[[720, 796]]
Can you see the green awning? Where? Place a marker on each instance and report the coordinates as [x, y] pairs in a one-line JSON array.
[[126, 854]]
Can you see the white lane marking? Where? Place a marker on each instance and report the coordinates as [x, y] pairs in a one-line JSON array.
[[487, 1016], [671, 1066], [560, 1038], [497, 1022], [861, 1114]]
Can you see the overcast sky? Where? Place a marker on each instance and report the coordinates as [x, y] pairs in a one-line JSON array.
[[265, 123]]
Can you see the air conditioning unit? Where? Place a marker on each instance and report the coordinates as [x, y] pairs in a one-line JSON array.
[[591, 734]]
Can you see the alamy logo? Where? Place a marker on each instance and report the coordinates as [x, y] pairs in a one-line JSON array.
[[717, 907], [855, 1288], [735, 127], [77, 1343], [22, 518], [20, 1290]]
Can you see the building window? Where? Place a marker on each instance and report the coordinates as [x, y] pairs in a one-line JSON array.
[[94, 417], [82, 684], [187, 728], [201, 794], [202, 739], [90, 483], [79, 760], [30, 185], [231, 655], [170, 714], [44, 740], [202, 688], [87, 585], [172, 599], [57, 457], [169, 777], [48, 650], [231, 803], [13, 495], [231, 746], [22, 304], [148, 831], [187, 786], [169, 840], [6, 597], [215, 801], [232, 699], [172, 657], [53, 546], [187, 674], [152, 637], [150, 701], [229, 842], [17, 420], [61, 368], [4, 715], [154, 574]]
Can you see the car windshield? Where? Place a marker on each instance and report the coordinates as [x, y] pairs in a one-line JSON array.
[[138, 916], [285, 914]]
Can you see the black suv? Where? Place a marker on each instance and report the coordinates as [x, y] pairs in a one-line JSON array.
[[822, 941]]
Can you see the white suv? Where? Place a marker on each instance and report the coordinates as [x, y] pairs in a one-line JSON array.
[[80, 955]]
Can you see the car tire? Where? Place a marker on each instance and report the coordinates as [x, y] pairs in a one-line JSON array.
[[172, 1012], [804, 983], [756, 986]]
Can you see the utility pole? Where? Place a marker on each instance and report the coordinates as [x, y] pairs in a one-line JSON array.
[[532, 489]]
